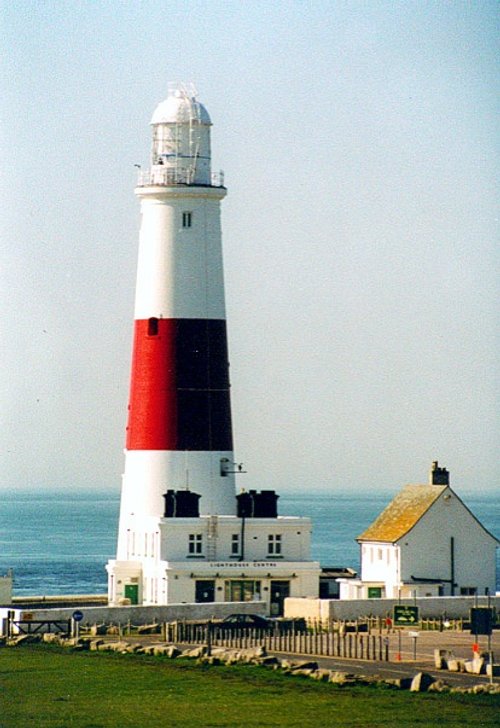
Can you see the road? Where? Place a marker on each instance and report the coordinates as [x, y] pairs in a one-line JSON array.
[[404, 660], [460, 643]]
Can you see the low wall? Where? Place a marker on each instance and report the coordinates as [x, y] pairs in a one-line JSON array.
[[344, 609], [138, 615], [6, 589]]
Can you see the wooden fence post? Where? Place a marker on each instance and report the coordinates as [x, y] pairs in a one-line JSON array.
[[209, 637]]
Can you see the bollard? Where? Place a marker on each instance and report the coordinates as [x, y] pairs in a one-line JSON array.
[[209, 638]]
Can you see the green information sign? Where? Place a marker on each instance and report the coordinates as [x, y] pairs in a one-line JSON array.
[[405, 616], [481, 620]]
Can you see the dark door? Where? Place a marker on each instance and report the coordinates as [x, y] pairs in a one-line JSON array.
[[280, 590], [204, 591], [132, 592]]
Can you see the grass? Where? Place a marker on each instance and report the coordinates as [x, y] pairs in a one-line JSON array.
[[47, 687]]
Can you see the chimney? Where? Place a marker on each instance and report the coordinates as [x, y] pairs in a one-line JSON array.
[[438, 476]]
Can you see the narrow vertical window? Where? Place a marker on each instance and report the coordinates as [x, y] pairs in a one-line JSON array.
[[235, 544], [153, 327], [187, 219]]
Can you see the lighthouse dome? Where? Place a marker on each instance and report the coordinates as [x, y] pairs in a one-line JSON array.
[[180, 107]]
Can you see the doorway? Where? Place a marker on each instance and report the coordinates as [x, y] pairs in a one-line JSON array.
[[132, 593], [280, 590], [204, 591]]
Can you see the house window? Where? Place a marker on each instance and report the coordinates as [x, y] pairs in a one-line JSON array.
[[187, 219], [468, 591], [241, 591], [274, 544], [235, 544], [195, 544]]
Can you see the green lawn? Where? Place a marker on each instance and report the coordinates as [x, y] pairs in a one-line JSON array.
[[43, 686]]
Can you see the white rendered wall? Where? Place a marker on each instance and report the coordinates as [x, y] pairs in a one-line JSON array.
[[155, 552], [295, 534], [167, 539], [150, 473], [380, 563], [332, 609], [163, 582], [179, 272], [425, 550]]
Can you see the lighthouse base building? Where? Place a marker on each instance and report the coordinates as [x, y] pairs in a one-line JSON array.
[[184, 535], [183, 558]]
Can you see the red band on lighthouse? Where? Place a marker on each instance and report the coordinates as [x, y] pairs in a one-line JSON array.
[[179, 394]]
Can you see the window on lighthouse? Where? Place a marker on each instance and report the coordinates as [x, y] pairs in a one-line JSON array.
[[187, 219], [153, 327]]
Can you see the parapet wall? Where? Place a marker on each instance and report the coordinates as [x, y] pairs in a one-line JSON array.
[[326, 610]]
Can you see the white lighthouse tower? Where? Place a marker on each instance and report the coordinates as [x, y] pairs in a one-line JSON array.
[[184, 535]]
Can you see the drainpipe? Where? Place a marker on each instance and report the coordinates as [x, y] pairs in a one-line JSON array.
[[452, 565], [242, 550]]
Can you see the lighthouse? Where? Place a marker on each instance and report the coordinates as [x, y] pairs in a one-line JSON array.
[[182, 528]]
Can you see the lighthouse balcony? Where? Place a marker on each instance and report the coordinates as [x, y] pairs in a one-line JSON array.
[[166, 176]]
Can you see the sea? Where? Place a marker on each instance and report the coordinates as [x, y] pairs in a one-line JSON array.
[[58, 543]]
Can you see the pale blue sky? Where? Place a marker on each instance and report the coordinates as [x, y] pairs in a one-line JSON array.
[[360, 146]]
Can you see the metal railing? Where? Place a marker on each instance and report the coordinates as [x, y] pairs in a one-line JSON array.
[[166, 176]]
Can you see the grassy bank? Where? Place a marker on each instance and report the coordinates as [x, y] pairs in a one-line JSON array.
[[43, 686]]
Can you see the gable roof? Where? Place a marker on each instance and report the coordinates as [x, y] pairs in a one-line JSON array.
[[402, 513]]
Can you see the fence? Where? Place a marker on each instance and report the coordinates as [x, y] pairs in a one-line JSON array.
[[352, 645]]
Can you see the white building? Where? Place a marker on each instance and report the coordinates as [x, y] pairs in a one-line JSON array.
[[184, 536], [425, 543], [214, 559], [6, 588]]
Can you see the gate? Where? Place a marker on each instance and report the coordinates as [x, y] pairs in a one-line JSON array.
[[36, 626]]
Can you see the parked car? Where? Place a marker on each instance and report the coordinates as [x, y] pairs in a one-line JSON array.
[[246, 621], [255, 621]]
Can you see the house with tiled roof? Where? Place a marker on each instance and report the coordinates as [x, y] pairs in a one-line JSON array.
[[425, 543]]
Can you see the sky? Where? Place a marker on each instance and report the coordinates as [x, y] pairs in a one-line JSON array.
[[360, 147]]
